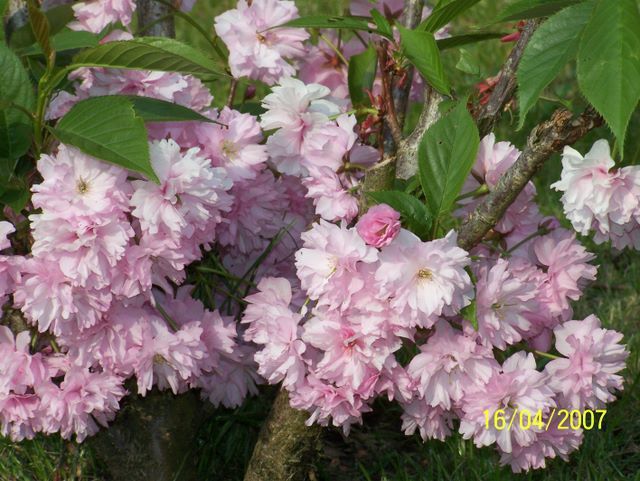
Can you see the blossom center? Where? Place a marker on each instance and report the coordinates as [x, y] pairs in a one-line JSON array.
[[229, 148], [261, 38], [82, 186], [425, 274]]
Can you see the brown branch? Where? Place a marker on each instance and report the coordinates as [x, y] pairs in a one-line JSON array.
[[506, 86], [407, 153], [286, 446], [158, 16], [390, 118], [548, 137]]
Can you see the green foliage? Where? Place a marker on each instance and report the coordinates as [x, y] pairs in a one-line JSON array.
[[108, 128], [467, 38], [609, 62], [442, 15], [382, 23], [362, 73], [470, 314], [525, 9], [152, 53], [63, 41], [335, 22], [422, 51], [156, 110], [40, 28], [57, 18], [415, 216], [445, 157], [551, 47]]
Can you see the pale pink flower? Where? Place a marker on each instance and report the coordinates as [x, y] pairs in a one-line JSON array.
[[448, 363], [517, 386], [274, 327], [331, 194], [256, 50], [330, 258], [587, 377], [504, 303], [432, 423], [6, 228], [379, 225], [94, 15], [425, 278]]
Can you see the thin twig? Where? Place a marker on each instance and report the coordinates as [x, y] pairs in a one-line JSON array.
[[390, 111], [505, 88]]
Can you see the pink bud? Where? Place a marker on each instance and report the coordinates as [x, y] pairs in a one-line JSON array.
[[379, 226]]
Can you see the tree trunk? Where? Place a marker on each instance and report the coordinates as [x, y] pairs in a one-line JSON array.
[[286, 446], [152, 439], [155, 19]]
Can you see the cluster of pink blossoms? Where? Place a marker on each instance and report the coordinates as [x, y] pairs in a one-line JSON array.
[[374, 287], [597, 198]]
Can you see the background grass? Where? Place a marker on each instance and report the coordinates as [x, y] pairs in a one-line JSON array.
[[378, 450]]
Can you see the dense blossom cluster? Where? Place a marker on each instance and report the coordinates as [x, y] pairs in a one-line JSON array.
[[340, 311], [600, 198], [374, 287]]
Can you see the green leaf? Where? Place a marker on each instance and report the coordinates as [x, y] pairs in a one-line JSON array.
[[40, 28], [149, 53], [15, 140], [349, 22], [362, 73], [15, 196], [467, 38], [108, 128], [384, 27], [57, 17], [470, 314], [155, 110], [422, 51], [63, 41], [551, 47], [3, 9], [525, 9], [15, 87], [444, 14], [468, 63], [609, 63], [414, 213], [445, 157]]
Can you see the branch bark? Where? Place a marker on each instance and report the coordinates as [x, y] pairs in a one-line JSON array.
[[155, 18], [506, 86], [286, 446], [547, 138]]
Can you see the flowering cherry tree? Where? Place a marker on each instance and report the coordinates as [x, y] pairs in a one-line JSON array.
[[154, 238]]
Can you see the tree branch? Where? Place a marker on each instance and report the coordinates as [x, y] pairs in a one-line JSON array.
[[407, 154], [149, 14], [506, 86], [549, 137]]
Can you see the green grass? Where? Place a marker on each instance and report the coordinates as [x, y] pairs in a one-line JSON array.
[[378, 451]]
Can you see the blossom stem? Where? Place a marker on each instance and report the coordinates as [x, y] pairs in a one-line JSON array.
[[545, 354], [168, 319], [482, 190], [540, 232], [333, 47]]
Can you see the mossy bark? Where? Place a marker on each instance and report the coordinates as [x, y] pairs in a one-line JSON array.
[[286, 447], [152, 439]]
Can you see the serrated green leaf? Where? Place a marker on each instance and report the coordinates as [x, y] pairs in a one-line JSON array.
[[57, 18], [422, 51], [609, 63], [362, 73], [108, 129], [15, 87], [156, 110], [445, 157], [384, 27], [40, 28], [526, 9], [467, 38], [468, 63], [349, 22], [551, 47], [149, 53], [15, 140], [15, 197], [65, 40], [414, 213], [444, 14]]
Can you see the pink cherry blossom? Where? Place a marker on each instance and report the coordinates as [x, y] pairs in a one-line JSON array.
[[256, 50], [379, 225]]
